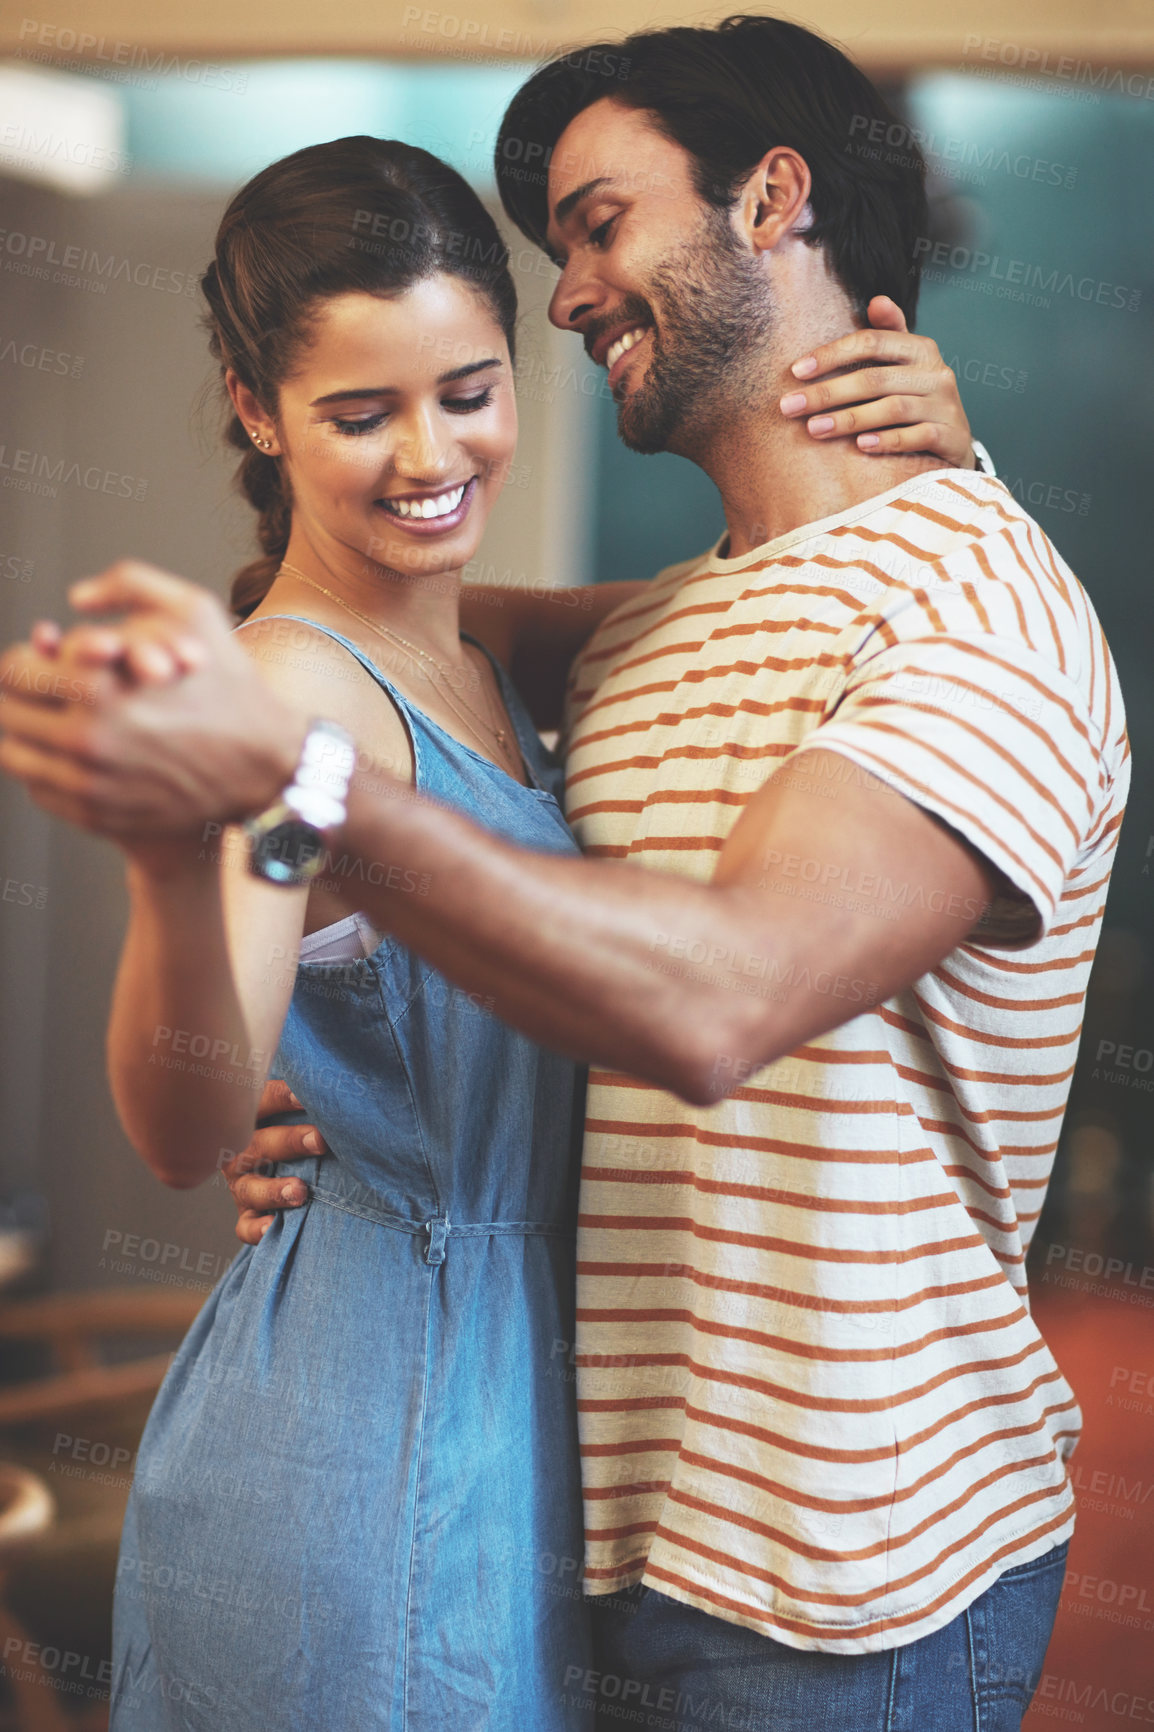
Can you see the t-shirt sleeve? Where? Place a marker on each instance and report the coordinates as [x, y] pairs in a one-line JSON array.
[[987, 732]]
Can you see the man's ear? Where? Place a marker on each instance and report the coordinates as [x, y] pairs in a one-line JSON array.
[[774, 201]]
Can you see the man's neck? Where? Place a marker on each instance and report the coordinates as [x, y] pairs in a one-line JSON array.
[[772, 474], [771, 485]]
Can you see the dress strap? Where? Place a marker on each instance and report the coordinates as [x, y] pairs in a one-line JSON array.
[[354, 650], [527, 736], [523, 728]]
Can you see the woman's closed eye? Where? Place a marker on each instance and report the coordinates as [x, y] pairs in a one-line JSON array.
[[365, 425], [455, 406], [469, 405]]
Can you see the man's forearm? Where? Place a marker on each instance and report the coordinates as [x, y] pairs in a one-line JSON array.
[[644, 971], [689, 985], [567, 949]]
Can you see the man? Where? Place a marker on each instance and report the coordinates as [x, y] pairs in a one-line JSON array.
[[849, 787]]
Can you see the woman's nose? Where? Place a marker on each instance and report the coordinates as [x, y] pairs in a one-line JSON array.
[[423, 448]]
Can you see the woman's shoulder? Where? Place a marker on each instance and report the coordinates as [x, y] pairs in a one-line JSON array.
[[320, 676]]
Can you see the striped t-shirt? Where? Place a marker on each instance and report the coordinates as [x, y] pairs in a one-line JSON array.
[[812, 1398]]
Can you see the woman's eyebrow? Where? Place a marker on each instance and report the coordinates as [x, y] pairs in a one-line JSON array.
[[469, 367], [391, 390]]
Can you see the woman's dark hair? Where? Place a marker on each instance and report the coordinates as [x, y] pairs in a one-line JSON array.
[[367, 214], [727, 94]]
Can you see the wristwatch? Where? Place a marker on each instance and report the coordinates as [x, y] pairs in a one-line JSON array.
[[287, 843], [985, 463]]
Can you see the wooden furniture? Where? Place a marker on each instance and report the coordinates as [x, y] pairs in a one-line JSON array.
[[26, 1510], [72, 1326], [79, 1385]]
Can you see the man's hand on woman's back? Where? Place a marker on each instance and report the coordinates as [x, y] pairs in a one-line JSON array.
[[258, 1192]]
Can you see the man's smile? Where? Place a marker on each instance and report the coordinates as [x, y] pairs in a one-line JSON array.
[[622, 346]]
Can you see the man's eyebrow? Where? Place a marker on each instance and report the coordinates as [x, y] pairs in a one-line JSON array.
[[390, 390], [566, 205]]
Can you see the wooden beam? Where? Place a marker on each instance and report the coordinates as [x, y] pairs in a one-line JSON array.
[[881, 35]]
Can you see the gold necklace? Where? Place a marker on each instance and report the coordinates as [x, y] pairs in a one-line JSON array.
[[413, 650]]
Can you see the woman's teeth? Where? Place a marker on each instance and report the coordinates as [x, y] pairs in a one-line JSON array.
[[623, 345], [439, 505]]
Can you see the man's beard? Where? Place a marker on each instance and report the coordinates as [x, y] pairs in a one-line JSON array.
[[716, 313]]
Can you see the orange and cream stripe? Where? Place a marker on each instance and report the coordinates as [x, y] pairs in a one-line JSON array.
[[812, 1398]]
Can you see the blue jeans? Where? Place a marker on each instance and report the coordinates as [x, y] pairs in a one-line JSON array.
[[668, 1667]]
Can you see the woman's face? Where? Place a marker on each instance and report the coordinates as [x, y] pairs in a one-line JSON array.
[[399, 425]]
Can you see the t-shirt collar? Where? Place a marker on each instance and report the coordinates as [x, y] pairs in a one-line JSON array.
[[916, 486]]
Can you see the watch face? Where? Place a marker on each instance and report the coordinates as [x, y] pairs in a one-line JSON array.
[[290, 853]]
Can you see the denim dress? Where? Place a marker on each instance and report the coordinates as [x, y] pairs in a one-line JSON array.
[[357, 1500]]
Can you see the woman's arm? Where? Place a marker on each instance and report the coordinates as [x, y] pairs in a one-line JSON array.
[[210, 959], [198, 1003], [202, 989]]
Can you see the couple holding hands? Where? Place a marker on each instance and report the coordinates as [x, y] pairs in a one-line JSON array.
[[700, 1387]]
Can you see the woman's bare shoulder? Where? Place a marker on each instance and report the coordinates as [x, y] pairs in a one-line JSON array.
[[320, 677]]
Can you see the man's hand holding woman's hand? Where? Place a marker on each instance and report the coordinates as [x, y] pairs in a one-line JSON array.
[[146, 729]]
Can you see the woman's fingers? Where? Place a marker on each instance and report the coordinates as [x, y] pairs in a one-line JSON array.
[[884, 314], [929, 436], [857, 347], [156, 651], [146, 650], [891, 389], [864, 386], [258, 1192], [866, 417], [899, 389]]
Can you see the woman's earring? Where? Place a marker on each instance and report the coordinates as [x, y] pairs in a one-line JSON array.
[[265, 444]]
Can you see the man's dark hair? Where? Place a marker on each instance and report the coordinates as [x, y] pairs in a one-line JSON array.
[[727, 94]]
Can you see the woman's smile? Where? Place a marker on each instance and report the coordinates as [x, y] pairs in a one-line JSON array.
[[431, 513]]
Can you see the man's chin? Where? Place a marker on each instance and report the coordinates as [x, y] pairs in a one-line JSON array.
[[642, 429]]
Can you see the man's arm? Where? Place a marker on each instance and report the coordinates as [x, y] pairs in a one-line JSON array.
[[691, 986], [536, 634], [643, 971]]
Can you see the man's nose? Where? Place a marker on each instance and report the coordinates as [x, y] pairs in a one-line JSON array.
[[572, 300]]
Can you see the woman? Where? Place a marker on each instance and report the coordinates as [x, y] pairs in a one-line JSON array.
[[298, 1551], [357, 1498]]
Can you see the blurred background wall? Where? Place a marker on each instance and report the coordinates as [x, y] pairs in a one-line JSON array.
[[1038, 125]]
